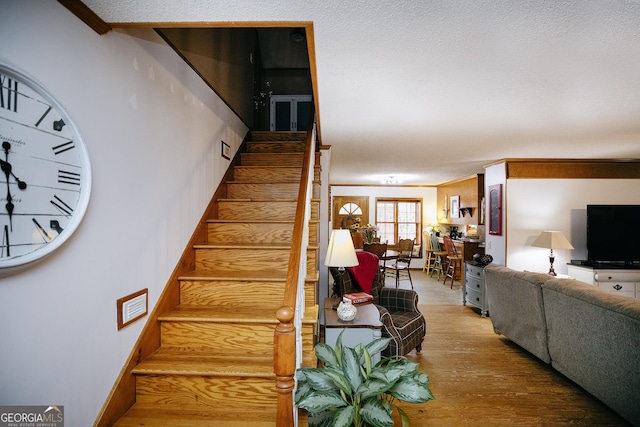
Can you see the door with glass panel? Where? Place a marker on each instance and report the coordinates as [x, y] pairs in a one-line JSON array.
[[289, 112]]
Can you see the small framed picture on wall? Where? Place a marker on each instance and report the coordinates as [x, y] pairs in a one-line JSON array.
[[226, 150], [454, 206]]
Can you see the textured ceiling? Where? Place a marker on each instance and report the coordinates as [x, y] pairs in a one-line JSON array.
[[430, 91]]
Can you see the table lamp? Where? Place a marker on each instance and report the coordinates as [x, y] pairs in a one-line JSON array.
[[341, 252], [552, 240]]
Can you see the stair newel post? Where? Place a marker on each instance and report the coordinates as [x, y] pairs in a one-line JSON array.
[[284, 364]]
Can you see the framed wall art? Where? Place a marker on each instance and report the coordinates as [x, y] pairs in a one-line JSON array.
[[495, 210], [454, 206], [226, 150]]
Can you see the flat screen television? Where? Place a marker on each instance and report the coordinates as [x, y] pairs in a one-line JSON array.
[[613, 234]]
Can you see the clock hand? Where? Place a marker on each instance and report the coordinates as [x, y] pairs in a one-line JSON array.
[[6, 168]]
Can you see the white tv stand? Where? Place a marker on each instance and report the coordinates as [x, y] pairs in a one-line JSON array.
[[618, 281]]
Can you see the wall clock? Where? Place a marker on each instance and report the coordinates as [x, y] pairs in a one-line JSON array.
[[45, 177]]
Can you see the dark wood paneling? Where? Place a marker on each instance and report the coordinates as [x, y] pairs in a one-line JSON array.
[[569, 168]]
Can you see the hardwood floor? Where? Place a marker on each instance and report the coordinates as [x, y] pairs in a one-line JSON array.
[[481, 378]]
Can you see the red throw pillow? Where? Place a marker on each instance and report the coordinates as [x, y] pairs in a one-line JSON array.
[[365, 271]]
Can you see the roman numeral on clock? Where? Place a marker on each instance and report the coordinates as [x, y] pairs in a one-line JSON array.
[[5, 242], [59, 149], [43, 116], [42, 231], [8, 94], [61, 206], [65, 177]]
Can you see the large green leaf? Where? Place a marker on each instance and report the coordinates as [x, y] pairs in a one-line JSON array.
[[388, 374], [344, 417], [339, 380], [338, 348], [411, 391], [325, 353], [319, 401], [377, 345], [319, 379], [321, 419], [404, 418], [401, 368], [375, 414], [351, 367], [372, 388], [408, 366], [302, 389], [421, 377], [368, 363]]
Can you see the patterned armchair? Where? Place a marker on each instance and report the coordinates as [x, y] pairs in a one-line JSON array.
[[399, 314]]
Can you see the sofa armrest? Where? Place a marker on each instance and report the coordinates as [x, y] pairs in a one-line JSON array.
[[387, 321], [395, 299]]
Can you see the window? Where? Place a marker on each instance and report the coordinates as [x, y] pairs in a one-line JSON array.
[[399, 219], [350, 209]]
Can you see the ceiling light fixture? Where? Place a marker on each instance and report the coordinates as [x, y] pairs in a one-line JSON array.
[[392, 180]]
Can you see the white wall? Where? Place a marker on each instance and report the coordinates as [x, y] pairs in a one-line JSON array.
[[535, 205], [153, 132]]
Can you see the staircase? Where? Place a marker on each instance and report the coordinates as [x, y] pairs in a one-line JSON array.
[[214, 365]]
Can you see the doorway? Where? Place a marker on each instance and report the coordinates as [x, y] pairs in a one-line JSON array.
[[289, 112], [348, 210]]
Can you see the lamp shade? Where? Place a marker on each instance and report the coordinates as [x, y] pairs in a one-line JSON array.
[[552, 240], [341, 252]]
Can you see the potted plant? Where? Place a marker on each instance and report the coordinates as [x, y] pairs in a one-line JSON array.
[[350, 391], [369, 232]]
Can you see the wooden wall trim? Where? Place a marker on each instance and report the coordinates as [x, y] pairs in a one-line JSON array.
[[573, 168], [86, 15]]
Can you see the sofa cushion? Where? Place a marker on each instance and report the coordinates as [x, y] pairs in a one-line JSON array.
[[516, 307], [594, 339]]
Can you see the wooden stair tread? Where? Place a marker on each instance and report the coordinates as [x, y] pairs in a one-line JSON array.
[[223, 415], [256, 246], [223, 314], [176, 362], [261, 221], [270, 275], [268, 166], [242, 246], [266, 276], [262, 199], [287, 181]]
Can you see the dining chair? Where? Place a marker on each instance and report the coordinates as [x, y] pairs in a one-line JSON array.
[[401, 264], [454, 261], [429, 258], [379, 249], [438, 256]]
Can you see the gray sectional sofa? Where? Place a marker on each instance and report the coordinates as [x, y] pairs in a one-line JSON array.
[[590, 336]]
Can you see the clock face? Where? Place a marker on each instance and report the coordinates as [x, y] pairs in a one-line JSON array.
[[45, 176]]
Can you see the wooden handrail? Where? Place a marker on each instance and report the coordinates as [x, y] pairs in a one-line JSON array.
[[287, 336]]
